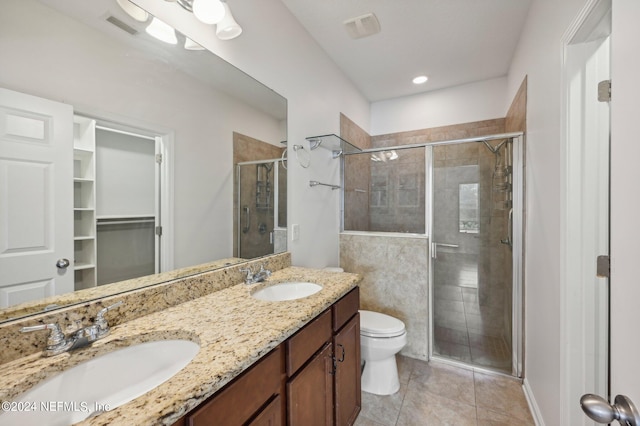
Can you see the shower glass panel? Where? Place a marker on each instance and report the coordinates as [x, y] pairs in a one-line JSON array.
[[471, 253], [261, 208], [385, 191]]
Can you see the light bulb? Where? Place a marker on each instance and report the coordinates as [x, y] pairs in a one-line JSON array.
[[208, 11], [420, 79], [162, 31], [228, 28], [134, 11]]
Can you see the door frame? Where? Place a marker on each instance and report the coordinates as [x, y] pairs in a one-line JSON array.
[[164, 141], [583, 363]]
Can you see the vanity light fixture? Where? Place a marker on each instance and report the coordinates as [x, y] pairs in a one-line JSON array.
[[228, 28], [134, 11], [162, 31], [208, 11], [421, 79], [214, 12], [211, 12]]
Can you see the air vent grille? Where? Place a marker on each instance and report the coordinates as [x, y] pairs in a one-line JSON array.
[[362, 26], [118, 23]]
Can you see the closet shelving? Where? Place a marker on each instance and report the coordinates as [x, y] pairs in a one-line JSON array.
[[84, 202]]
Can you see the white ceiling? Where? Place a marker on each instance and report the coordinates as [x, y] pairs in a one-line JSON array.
[[453, 42]]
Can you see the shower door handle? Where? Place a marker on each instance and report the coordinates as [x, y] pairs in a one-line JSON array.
[[508, 241], [434, 248], [247, 222]]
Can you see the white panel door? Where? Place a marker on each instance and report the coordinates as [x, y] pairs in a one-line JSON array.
[[36, 197], [625, 201]]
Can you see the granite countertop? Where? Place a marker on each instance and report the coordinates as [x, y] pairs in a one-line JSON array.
[[233, 330], [79, 296]]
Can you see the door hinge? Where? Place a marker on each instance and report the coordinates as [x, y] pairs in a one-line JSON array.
[[159, 158], [159, 231], [604, 91], [603, 266]]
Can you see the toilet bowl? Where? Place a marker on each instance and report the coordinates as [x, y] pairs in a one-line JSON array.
[[381, 338]]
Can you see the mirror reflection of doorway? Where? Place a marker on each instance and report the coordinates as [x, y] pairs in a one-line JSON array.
[[127, 205]]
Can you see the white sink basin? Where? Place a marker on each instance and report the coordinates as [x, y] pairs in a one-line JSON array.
[[100, 384], [287, 291]]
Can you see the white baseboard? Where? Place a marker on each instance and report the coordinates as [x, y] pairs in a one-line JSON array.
[[531, 400]]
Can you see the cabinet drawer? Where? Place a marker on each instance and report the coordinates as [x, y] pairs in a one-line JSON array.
[[241, 399], [306, 342], [345, 308]]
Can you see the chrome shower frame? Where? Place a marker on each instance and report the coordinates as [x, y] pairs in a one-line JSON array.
[[516, 238], [276, 191]]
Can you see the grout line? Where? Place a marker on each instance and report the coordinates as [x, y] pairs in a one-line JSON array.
[[405, 393]]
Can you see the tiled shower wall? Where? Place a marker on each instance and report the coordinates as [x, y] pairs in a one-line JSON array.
[[356, 182]]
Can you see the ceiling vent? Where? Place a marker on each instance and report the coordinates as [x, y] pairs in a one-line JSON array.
[[118, 23], [362, 26]]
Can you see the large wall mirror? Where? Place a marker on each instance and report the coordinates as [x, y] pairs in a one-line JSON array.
[[132, 98]]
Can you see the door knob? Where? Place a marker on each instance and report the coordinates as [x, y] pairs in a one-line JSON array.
[[599, 410], [62, 263]]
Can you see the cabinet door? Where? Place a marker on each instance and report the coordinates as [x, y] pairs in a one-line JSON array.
[[271, 415], [347, 376], [310, 392], [237, 402]]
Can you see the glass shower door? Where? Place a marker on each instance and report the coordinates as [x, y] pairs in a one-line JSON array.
[[471, 254], [260, 206]]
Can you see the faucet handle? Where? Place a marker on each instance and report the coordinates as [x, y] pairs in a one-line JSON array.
[[247, 271], [56, 336], [264, 271], [101, 322]]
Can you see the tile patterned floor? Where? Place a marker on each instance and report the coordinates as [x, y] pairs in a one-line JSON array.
[[464, 329], [439, 394]]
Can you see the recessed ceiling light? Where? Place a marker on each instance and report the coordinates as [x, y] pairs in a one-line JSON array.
[[420, 79]]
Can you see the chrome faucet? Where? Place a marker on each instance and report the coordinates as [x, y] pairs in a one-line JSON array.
[[258, 277], [58, 343]]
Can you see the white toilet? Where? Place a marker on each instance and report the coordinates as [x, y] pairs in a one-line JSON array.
[[381, 338]]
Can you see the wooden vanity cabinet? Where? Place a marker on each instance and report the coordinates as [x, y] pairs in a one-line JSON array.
[[255, 397], [347, 395], [346, 346], [313, 378], [323, 367]]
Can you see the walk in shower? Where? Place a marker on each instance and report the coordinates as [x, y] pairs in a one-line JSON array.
[[465, 196], [261, 208]]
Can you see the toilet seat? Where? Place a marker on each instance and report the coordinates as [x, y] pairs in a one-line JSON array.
[[376, 324]]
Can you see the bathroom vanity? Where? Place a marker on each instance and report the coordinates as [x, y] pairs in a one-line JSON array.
[[259, 362], [313, 378]]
